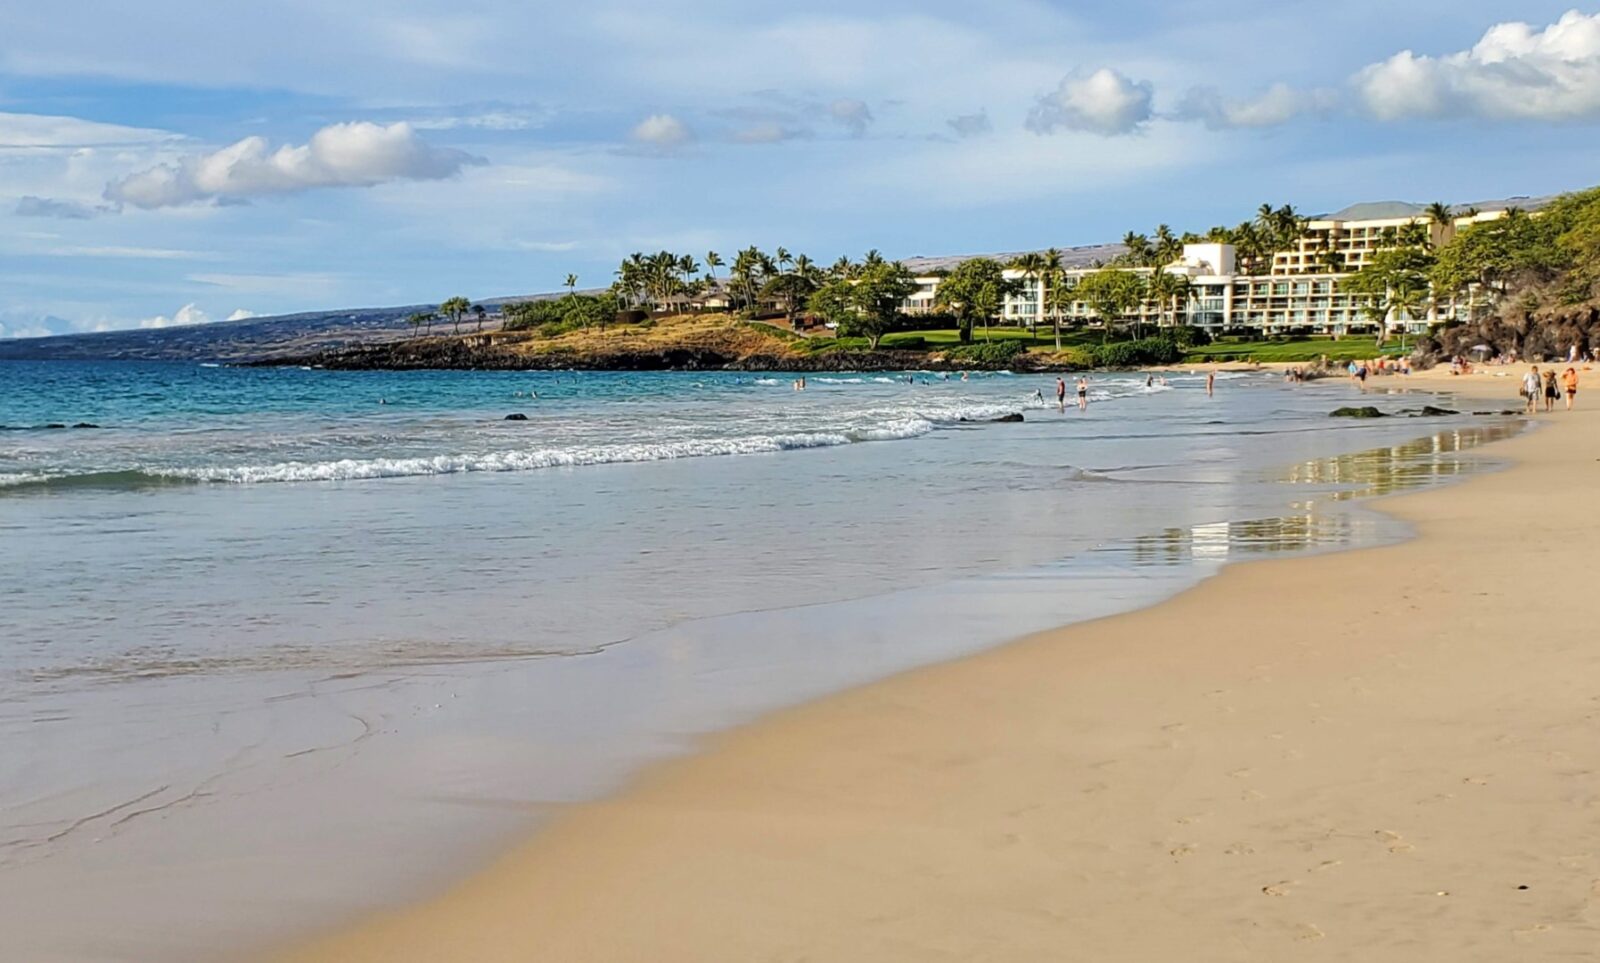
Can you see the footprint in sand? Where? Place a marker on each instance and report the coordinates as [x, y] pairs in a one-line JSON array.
[[1308, 931], [1180, 851], [1476, 780], [1240, 849], [1280, 888], [1175, 727], [1393, 841], [1325, 865]]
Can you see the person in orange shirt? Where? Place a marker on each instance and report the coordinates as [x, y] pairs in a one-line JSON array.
[[1569, 380]]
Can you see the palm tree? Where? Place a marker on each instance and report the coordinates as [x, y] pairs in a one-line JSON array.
[[453, 309], [843, 267], [1168, 247], [1032, 267], [479, 312], [873, 258], [1050, 278], [784, 260], [572, 284], [418, 319], [1168, 290], [1331, 260], [1138, 245], [1439, 213]]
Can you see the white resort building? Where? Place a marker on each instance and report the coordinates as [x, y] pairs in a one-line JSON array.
[[1302, 292]]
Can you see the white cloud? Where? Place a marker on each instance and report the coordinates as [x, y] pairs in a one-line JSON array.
[[124, 251], [34, 131], [1515, 71], [971, 125], [1275, 106], [487, 118], [30, 205], [188, 314], [239, 314], [662, 130], [340, 155], [770, 132], [1103, 102], [851, 114]]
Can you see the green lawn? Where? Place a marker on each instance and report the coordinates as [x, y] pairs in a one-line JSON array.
[[1352, 348]]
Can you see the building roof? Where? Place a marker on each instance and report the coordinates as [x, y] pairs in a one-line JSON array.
[[1082, 255], [1395, 210]]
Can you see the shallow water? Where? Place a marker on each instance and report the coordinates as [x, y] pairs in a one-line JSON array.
[[307, 698]]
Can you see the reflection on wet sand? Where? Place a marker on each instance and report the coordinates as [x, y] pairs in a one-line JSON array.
[[1365, 474]]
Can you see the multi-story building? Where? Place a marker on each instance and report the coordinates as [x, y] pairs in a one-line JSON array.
[[1303, 291]]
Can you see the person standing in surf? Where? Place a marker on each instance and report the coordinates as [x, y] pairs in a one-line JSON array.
[[1061, 394], [1083, 394], [1211, 383]]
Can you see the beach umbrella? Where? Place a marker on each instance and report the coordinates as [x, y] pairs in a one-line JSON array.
[[1481, 347]]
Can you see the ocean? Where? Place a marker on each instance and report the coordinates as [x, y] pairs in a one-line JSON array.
[[281, 646]]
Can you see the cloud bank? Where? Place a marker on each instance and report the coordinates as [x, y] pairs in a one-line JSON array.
[[1103, 102], [1277, 105], [1516, 72], [357, 154]]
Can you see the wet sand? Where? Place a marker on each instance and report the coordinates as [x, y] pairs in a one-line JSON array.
[[1388, 754]]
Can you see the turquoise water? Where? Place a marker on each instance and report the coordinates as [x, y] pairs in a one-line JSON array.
[[362, 616]]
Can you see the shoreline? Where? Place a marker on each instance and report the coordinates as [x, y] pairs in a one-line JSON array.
[[1229, 796]]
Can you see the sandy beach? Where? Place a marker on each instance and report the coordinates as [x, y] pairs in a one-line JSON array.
[[1388, 754]]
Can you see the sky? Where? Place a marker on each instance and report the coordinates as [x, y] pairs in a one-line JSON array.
[[177, 162]]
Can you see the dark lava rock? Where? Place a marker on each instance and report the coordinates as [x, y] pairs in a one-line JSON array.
[[85, 424], [1366, 411], [1431, 410], [1014, 416], [516, 416]]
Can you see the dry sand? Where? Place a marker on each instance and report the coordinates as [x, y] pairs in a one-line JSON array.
[[1384, 755]]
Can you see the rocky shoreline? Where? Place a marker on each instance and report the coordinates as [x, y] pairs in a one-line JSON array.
[[463, 355]]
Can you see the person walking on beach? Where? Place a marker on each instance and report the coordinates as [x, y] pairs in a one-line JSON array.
[[1551, 392], [1211, 383], [1569, 381], [1061, 394], [1532, 385], [1083, 394]]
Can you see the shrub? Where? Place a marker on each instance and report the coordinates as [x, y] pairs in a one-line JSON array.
[[987, 352], [1132, 354], [1185, 336]]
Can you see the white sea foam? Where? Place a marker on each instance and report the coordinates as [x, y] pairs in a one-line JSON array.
[[536, 458]]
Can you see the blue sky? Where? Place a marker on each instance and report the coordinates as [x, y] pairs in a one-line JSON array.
[[176, 162]]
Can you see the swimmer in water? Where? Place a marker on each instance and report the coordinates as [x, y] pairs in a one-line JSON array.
[[1083, 394]]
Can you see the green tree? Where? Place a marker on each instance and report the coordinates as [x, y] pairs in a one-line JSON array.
[[420, 318], [878, 291], [1394, 284], [974, 291], [1031, 266], [479, 312], [453, 309], [572, 284], [792, 289], [1111, 293], [1168, 290]]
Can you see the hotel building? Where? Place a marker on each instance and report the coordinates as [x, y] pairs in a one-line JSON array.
[[1301, 292]]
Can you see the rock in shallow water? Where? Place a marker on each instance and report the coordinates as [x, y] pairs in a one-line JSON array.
[[516, 416], [1365, 411]]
